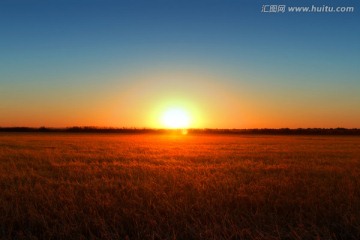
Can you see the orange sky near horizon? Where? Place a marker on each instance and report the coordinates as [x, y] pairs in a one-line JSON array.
[[207, 98]]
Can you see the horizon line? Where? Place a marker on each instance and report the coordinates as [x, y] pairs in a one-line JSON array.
[[134, 130]]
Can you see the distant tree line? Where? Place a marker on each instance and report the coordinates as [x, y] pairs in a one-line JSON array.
[[285, 131], [262, 131]]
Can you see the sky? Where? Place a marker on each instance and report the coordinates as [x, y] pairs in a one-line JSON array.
[[225, 62]]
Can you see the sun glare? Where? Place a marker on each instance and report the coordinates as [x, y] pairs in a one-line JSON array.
[[175, 118]]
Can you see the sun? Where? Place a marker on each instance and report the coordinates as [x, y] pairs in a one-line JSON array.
[[175, 118]]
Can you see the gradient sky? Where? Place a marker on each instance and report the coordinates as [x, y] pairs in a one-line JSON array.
[[122, 63]]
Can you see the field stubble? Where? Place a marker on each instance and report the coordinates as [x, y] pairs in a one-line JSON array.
[[88, 186]]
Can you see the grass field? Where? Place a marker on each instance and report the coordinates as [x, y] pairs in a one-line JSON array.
[[117, 186]]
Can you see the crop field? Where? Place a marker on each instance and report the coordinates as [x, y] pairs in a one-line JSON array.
[[148, 186]]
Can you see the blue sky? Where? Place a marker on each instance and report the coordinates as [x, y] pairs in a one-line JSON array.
[[90, 51]]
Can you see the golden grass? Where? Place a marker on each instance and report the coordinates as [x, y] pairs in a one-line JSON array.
[[82, 186]]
